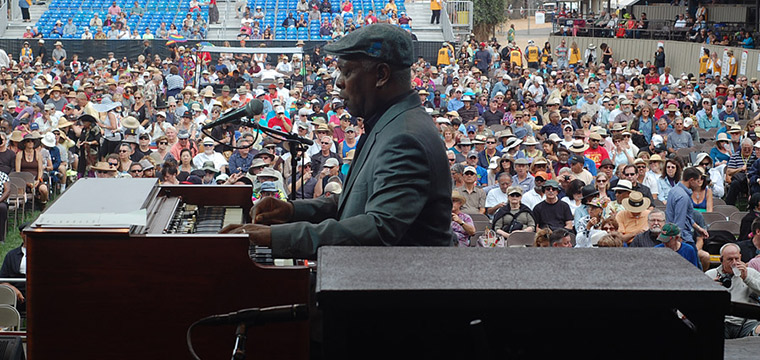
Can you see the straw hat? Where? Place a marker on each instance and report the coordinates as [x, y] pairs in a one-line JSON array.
[[102, 166], [456, 195], [63, 122], [130, 122], [636, 202], [16, 136], [578, 146]]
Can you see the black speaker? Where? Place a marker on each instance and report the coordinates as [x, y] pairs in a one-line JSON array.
[[11, 348], [517, 303]]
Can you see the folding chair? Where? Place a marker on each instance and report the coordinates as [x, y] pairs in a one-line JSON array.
[[725, 225], [29, 179], [711, 217], [7, 295], [9, 317], [521, 238], [726, 210], [19, 195], [737, 216]]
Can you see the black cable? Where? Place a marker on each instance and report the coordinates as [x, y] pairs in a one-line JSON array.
[[189, 338]]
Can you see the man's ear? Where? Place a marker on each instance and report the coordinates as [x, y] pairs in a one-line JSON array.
[[384, 74]]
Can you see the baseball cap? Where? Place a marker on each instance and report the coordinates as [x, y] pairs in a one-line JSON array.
[[470, 169], [669, 232], [331, 162]]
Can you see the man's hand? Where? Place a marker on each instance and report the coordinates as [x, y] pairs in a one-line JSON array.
[[257, 234], [20, 297], [270, 211], [742, 269]]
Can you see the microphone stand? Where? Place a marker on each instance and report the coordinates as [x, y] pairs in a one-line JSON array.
[[295, 143]]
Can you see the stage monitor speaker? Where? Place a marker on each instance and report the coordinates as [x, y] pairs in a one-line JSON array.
[[517, 303], [11, 348]]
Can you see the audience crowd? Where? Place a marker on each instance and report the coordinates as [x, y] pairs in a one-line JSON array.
[[685, 26], [571, 149]]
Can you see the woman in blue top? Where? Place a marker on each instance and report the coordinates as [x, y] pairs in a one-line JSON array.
[[702, 199], [671, 175], [721, 152], [644, 124]]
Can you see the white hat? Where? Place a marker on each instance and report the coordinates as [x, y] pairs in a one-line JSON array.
[[333, 187], [49, 140], [279, 110]]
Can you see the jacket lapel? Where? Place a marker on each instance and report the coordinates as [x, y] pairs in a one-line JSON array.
[[407, 103]]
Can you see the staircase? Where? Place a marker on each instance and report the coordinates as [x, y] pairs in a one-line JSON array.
[[419, 12], [16, 27]]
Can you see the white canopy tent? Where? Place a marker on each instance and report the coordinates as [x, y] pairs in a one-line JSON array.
[[246, 50]]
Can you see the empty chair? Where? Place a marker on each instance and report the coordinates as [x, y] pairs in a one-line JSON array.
[[726, 225], [521, 238], [718, 201], [726, 210], [9, 317], [711, 217], [481, 225], [7, 295], [737, 216], [479, 217]]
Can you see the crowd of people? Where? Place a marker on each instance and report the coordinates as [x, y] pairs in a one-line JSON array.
[[580, 150], [335, 26], [621, 24]]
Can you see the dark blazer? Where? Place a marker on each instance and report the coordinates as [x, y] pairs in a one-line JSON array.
[[398, 192]]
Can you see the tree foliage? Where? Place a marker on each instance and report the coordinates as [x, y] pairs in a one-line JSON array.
[[487, 15]]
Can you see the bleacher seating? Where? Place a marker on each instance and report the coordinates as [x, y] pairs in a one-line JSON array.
[[276, 11], [81, 12]]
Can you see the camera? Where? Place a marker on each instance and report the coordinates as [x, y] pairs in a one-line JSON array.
[[566, 177], [725, 280]]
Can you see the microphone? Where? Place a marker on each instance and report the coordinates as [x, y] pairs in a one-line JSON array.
[[254, 107], [260, 316]]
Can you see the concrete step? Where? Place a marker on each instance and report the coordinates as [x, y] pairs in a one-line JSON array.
[[17, 27]]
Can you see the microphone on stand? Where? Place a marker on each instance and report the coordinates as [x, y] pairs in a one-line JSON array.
[[254, 107]]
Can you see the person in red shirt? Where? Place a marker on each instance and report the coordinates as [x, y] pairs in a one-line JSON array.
[[280, 120], [652, 77], [595, 152]]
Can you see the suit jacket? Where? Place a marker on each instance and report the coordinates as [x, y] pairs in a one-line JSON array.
[[397, 193]]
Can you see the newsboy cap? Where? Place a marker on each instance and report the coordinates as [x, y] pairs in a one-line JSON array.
[[383, 42]]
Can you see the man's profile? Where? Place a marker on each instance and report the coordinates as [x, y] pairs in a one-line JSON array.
[[398, 190]]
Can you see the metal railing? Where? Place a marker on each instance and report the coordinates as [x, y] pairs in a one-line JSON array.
[[448, 31], [4, 18], [460, 15]]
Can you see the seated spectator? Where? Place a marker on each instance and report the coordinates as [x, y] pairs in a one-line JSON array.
[[670, 237], [589, 226], [561, 238], [96, 22], [139, 11], [290, 21], [461, 223], [553, 213], [474, 195], [744, 287], [680, 22], [14, 267], [514, 216], [70, 29]]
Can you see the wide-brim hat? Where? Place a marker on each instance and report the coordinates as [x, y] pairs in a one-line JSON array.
[[209, 166], [48, 140], [106, 105], [130, 122], [29, 91], [589, 191], [456, 195], [189, 89], [16, 136], [530, 140], [63, 122], [636, 202], [102, 166], [623, 185], [722, 137], [578, 146], [512, 143]]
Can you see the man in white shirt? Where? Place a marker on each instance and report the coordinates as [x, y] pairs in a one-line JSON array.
[[498, 197], [208, 154]]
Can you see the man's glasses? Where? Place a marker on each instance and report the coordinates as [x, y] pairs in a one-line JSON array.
[[630, 174], [325, 143], [123, 151], [550, 189], [641, 166], [490, 142]]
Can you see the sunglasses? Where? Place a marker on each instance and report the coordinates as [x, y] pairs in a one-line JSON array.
[[135, 171], [514, 195], [163, 143], [103, 172], [705, 164], [490, 142]]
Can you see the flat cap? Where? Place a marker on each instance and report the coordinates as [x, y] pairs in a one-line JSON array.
[[384, 42]]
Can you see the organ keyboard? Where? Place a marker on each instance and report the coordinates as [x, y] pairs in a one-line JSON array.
[[129, 265]]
